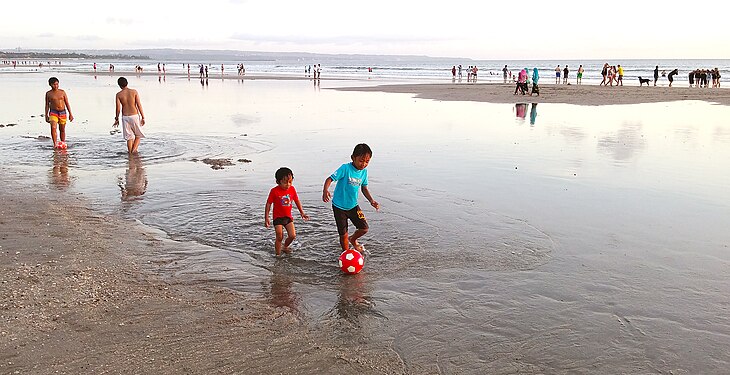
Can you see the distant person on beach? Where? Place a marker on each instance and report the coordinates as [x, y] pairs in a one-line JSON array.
[[453, 71], [610, 75], [579, 76], [130, 106], [717, 77], [671, 75], [94, 67], [620, 80], [459, 71], [504, 73], [351, 178], [57, 106], [521, 83], [565, 75], [656, 74], [281, 197], [604, 73], [535, 78], [557, 74]]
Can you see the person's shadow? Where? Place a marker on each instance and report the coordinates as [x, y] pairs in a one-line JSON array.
[[134, 183], [59, 175]]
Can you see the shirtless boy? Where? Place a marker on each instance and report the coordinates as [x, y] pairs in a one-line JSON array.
[[55, 112], [132, 115]]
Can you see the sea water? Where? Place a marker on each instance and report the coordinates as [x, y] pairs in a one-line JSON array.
[[384, 68], [538, 238]]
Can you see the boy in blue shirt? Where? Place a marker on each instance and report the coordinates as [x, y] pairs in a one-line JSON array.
[[350, 177]]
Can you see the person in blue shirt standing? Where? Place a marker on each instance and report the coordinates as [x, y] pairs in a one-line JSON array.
[[351, 178]]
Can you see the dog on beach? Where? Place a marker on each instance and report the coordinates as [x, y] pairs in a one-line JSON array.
[[642, 81]]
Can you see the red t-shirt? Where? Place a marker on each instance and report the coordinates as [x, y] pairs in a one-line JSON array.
[[283, 200]]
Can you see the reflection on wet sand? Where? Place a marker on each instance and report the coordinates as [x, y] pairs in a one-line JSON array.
[[280, 291], [521, 110], [134, 183], [354, 299], [533, 113], [59, 176]]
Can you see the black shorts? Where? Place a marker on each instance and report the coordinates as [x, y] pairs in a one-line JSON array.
[[282, 221], [354, 214]]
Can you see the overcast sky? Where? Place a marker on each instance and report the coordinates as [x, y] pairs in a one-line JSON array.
[[473, 29]]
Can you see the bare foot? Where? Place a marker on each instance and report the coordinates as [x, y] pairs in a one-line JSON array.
[[287, 250], [357, 246]]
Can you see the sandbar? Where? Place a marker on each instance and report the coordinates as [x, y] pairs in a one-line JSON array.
[[592, 95]]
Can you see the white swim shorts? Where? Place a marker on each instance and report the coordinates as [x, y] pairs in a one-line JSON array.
[[132, 127]]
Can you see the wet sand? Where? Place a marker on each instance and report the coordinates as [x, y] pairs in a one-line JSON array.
[[78, 296], [549, 93]]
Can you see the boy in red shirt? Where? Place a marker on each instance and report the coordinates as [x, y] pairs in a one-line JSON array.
[[281, 196]]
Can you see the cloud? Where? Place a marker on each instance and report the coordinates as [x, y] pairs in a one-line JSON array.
[[87, 38], [337, 40], [119, 21]]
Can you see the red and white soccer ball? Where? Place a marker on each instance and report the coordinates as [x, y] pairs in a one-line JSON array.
[[351, 261], [61, 145]]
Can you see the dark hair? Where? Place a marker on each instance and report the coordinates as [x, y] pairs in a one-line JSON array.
[[122, 82], [283, 172], [52, 80], [362, 149]]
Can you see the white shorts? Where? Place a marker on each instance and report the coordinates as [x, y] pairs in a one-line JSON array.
[[132, 127]]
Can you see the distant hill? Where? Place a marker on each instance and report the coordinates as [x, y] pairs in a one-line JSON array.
[[33, 55], [188, 55]]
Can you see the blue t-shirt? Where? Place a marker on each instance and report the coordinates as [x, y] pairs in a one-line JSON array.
[[349, 180]]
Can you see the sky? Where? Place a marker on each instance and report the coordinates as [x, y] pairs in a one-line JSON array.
[[471, 29]]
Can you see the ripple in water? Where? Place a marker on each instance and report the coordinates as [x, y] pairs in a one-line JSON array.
[[99, 153]]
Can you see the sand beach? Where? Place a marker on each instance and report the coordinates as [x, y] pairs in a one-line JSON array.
[[550, 93], [581, 231]]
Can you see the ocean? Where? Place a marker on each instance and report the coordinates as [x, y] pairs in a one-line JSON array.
[[578, 239], [389, 68]]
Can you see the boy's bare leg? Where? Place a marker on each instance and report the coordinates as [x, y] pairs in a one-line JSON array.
[[54, 133], [353, 239], [62, 132], [279, 229], [291, 235], [135, 145]]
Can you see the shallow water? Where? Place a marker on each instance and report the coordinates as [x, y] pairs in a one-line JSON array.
[[573, 239]]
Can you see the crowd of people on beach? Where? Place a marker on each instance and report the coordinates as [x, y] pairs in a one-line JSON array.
[[523, 80], [471, 73], [702, 77], [611, 75]]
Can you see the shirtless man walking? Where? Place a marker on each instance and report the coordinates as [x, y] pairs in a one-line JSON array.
[[55, 112], [132, 115]]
